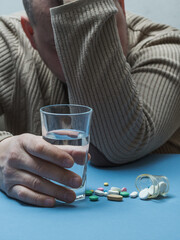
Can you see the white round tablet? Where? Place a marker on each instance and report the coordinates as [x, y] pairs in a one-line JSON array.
[[134, 194], [144, 194], [162, 187]]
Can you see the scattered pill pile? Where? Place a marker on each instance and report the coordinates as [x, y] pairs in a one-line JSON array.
[[113, 194], [117, 194]]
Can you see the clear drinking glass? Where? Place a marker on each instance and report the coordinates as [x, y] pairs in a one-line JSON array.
[[67, 126]]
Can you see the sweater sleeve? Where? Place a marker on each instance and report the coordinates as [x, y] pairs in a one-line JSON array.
[[136, 108], [7, 73]]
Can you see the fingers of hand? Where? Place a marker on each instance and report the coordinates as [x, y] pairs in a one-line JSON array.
[[26, 195], [89, 156], [38, 147], [39, 186], [79, 157], [36, 184], [51, 171], [63, 156], [79, 153]]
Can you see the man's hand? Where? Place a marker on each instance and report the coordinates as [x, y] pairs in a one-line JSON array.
[[26, 164]]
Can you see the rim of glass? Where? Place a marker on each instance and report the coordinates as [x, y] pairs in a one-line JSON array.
[[66, 105]]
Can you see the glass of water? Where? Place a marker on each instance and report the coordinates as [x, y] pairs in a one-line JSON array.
[[67, 126]]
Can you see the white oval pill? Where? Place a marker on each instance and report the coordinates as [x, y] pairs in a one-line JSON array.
[[144, 194], [162, 187], [115, 189], [156, 189], [134, 194], [99, 193], [152, 190], [113, 192]]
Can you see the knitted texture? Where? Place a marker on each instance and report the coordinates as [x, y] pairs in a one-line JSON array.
[[135, 99]]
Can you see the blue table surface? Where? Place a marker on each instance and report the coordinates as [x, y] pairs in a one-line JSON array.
[[157, 219]]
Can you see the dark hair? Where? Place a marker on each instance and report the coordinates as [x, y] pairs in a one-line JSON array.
[[28, 6]]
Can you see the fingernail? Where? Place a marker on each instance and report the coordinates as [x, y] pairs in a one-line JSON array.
[[49, 202], [76, 182], [68, 163], [89, 156], [70, 197]]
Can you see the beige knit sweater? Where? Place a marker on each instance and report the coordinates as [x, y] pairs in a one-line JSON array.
[[136, 101]]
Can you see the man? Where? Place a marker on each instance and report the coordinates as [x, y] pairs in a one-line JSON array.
[[129, 73]]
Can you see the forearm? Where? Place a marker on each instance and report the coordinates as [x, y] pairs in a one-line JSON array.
[[124, 125], [98, 159], [8, 72]]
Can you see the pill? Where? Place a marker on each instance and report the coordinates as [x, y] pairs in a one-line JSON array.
[[93, 198], [123, 189], [157, 189], [115, 189], [154, 190], [113, 192], [151, 190], [124, 194], [106, 184], [101, 189], [162, 187], [114, 197], [134, 194], [99, 193], [144, 194], [92, 190], [88, 193]]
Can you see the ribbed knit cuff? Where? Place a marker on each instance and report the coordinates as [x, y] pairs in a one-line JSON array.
[[75, 5], [4, 135]]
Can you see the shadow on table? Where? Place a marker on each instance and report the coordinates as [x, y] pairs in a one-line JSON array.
[[59, 205], [161, 199], [83, 204], [23, 204], [142, 162]]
